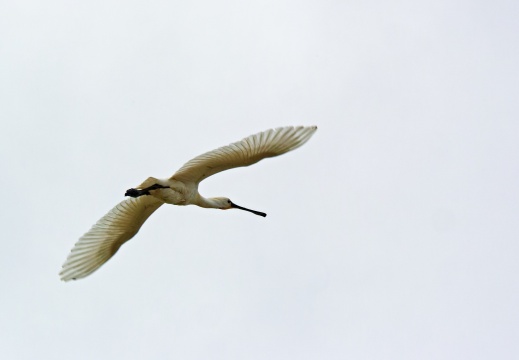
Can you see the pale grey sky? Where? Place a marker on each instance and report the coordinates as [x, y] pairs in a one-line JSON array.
[[392, 234]]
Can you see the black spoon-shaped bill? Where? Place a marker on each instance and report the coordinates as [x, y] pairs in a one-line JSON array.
[[233, 205]]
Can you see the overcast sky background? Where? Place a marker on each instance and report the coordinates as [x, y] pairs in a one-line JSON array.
[[392, 234]]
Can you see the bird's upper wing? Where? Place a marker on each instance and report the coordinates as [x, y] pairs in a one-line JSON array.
[[103, 240], [246, 152]]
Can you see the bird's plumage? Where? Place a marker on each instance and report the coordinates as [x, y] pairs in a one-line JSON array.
[[103, 240], [121, 223], [270, 143]]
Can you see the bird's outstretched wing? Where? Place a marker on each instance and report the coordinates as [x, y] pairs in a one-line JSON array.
[[103, 240], [246, 152]]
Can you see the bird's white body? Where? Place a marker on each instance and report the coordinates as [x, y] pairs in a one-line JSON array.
[[176, 193], [121, 223]]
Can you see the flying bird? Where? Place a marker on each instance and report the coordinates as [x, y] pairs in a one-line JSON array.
[[121, 223]]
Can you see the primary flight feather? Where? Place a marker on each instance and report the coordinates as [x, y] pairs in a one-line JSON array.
[[121, 223]]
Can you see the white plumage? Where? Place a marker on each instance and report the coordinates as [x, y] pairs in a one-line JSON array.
[[121, 223]]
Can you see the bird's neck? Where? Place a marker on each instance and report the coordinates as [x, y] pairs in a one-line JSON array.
[[206, 202]]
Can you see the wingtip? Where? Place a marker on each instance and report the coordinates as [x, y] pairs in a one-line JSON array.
[[63, 277]]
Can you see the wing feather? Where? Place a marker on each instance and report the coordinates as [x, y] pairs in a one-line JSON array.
[[103, 240], [246, 152]]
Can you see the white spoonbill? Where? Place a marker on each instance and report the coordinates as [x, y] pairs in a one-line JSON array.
[[121, 223]]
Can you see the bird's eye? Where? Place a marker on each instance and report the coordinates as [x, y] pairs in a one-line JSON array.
[[228, 201]]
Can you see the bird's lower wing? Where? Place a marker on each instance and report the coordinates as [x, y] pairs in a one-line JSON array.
[[103, 240], [246, 152]]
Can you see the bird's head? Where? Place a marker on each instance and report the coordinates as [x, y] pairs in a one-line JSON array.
[[224, 203]]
